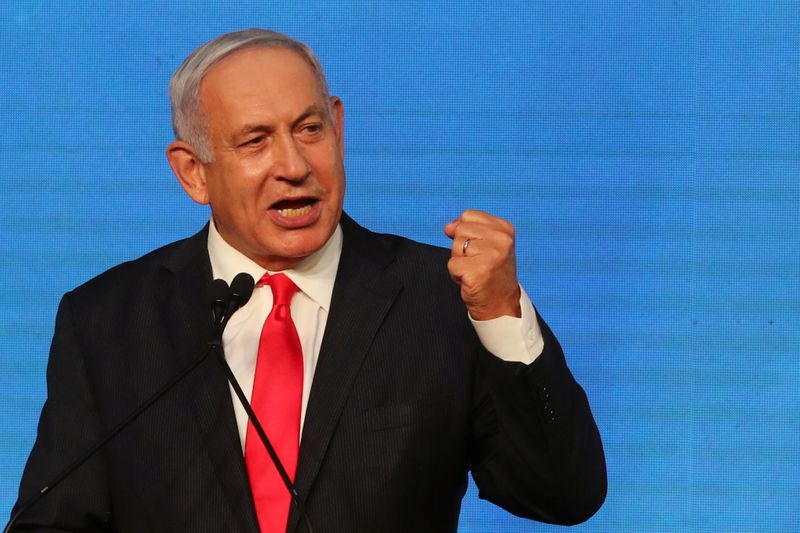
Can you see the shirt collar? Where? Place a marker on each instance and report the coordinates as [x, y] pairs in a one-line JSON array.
[[314, 275]]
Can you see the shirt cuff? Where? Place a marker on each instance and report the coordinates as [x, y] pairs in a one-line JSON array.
[[510, 338]]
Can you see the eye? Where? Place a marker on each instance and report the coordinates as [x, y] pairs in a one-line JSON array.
[[253, 141], [311, 129]]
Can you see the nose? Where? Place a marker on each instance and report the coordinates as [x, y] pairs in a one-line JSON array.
[[289, 162]]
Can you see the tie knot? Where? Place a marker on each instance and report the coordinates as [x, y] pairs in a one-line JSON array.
[[282, 288]]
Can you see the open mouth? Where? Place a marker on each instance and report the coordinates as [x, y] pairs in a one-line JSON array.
[[295, 207], [296, 213]]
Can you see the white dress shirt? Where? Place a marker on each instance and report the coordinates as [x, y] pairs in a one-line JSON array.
[[509, 338]]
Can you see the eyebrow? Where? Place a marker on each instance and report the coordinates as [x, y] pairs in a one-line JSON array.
[[263, 128]]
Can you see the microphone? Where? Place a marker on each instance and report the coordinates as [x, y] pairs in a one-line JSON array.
[[219, 295], [240, 292], [225, 302]]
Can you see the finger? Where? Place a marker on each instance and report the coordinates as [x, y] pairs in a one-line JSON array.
[[472, 230], [464, 272], [458, 236], [479, 237], [469, 215], [451, 227], [476, 215], [492, 232], [473, 216], [457, 269], [472, 234], [456, 246], [465, 246]]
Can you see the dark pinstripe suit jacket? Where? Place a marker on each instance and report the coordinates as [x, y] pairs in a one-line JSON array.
[[404, 403]]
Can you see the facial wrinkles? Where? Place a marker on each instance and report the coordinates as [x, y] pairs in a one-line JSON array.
[[263, 193]]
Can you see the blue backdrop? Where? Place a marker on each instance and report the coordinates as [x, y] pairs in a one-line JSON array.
[[647, 153]]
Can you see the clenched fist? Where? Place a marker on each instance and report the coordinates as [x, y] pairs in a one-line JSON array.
[[482, 261]]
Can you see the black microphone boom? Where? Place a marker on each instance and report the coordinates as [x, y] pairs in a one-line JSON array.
[[110, 435], [225, 302], [240, 292], [273, 455]]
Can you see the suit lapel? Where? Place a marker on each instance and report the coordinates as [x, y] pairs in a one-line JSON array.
[[362, 295], [187, 315]]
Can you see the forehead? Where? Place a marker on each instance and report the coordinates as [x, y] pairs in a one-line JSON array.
[[259, 80]]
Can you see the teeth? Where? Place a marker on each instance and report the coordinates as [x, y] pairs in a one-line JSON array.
[[294, 212]]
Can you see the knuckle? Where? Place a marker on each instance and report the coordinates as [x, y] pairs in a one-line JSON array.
[[505, 240], [471, 215], [505, 226], [497, 256]]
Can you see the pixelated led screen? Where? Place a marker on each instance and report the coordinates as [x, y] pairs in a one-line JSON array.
[[646, 152]]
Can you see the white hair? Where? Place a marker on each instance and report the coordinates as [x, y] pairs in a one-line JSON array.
[[188, 118]]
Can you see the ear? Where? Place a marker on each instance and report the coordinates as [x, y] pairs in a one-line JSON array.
[[189, 170], [337, 109]]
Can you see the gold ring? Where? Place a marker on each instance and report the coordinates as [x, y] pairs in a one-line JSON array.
[[464, 247]]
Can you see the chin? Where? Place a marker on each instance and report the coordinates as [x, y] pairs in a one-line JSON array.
[[295, 245], [300, 250]]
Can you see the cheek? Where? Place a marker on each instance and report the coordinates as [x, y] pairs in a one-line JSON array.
[[238, 185], [327, 164], [334, 179]]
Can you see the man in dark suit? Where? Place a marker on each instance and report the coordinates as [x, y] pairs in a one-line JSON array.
[[409, 380]]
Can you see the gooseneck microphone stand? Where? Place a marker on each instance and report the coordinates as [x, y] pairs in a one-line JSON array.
[[102, 442], [226, 301], [251, 415]]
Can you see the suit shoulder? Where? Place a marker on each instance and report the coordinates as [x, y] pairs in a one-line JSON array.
[[407, 251], [401, 256], [420, 265], [411, 250], [132, 275]]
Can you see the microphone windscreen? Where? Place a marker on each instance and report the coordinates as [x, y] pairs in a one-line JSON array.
[[219, 290], [242, 287]]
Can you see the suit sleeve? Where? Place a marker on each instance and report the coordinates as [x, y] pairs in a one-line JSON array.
[[68, 427], [536, 450]]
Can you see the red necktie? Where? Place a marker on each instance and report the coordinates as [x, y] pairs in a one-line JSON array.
[[276, 400]]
